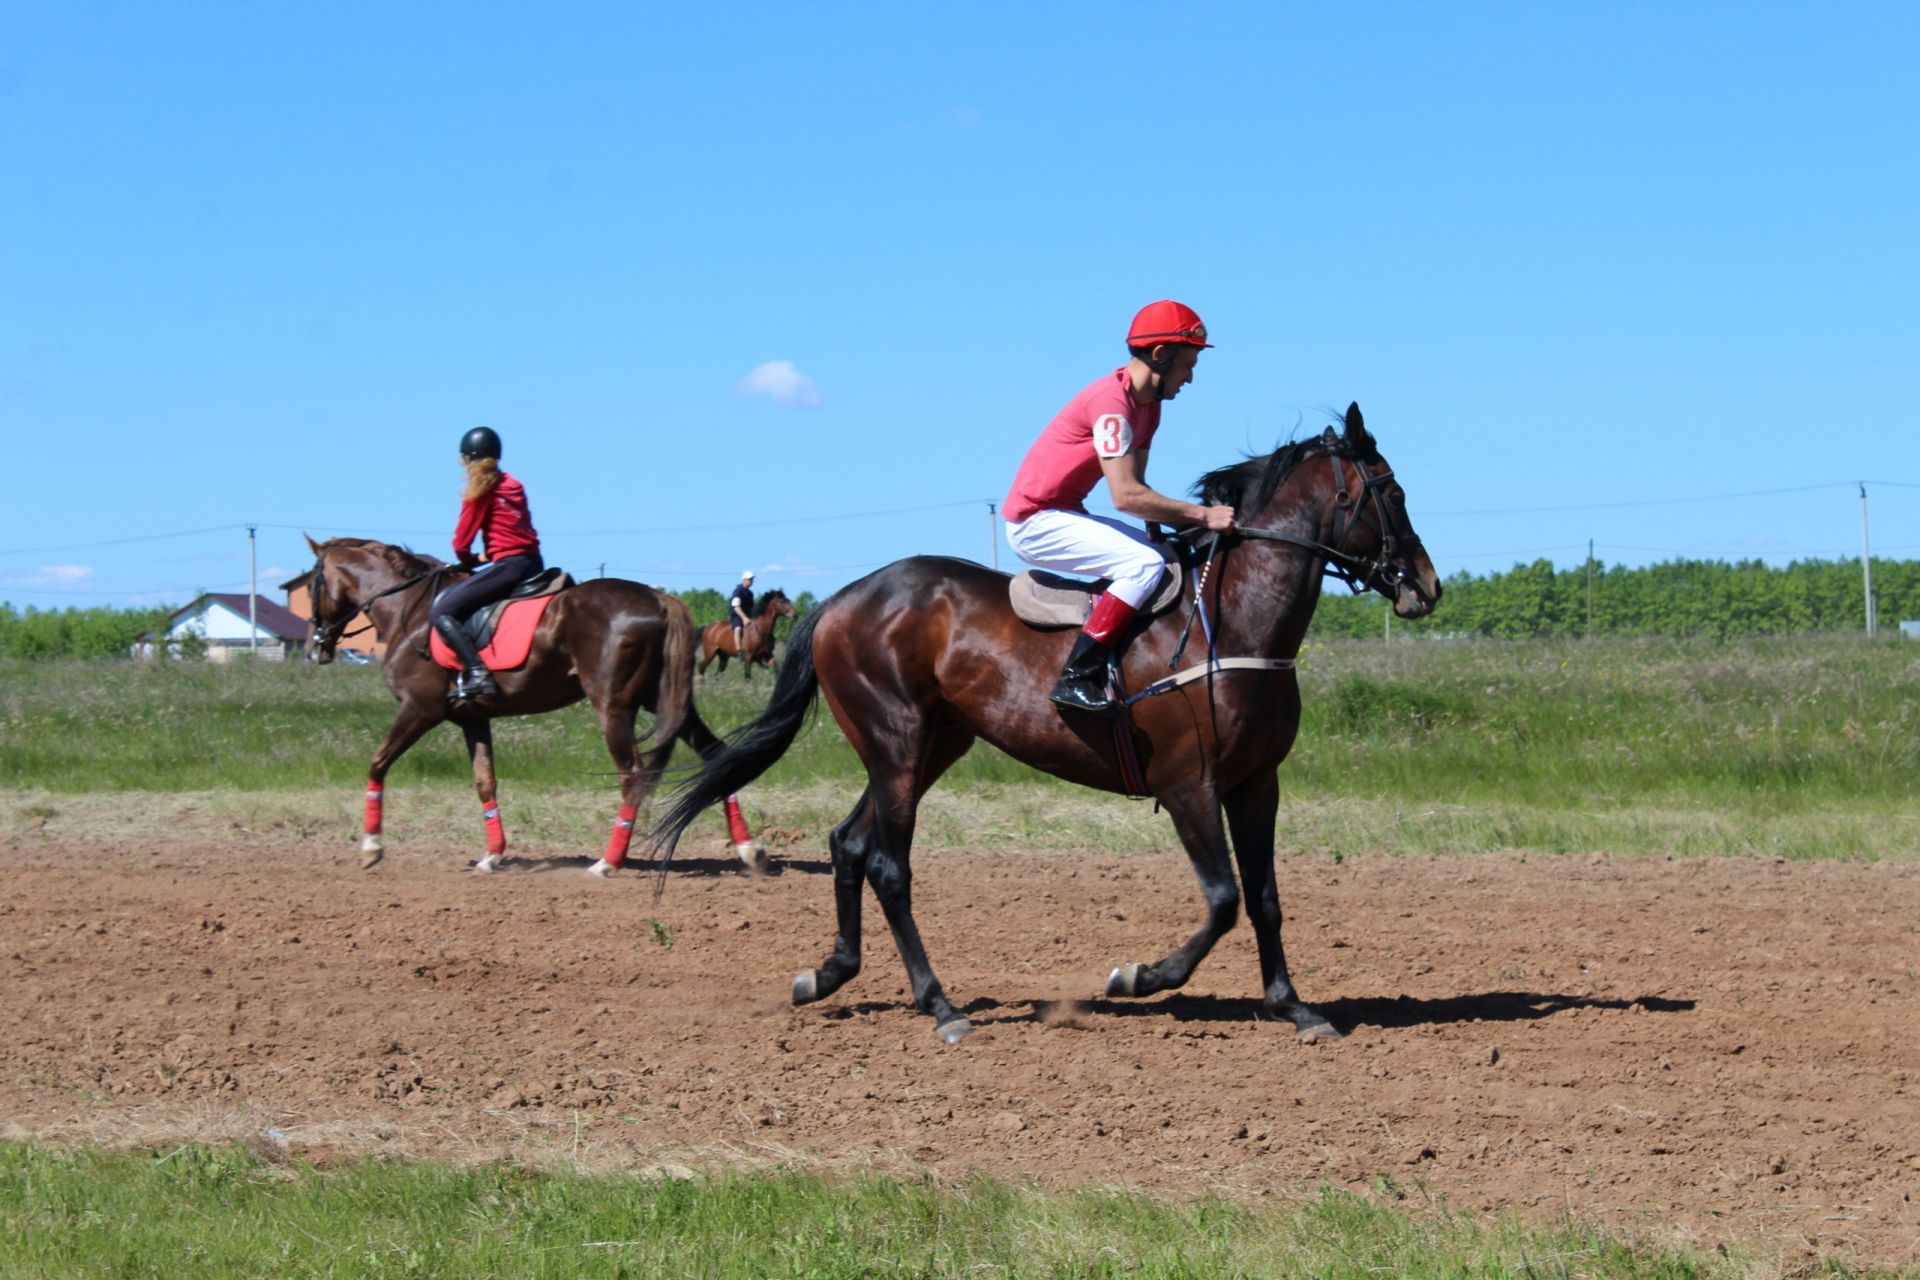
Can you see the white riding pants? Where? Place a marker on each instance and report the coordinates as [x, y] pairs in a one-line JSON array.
[[1090, 546]]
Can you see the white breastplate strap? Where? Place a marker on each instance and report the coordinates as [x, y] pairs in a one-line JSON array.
[[1201, 672]]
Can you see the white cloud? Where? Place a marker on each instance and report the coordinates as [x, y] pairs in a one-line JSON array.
[[781, 383], [61, 575]]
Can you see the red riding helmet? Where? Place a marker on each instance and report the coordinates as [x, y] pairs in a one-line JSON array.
[[1164, 322]]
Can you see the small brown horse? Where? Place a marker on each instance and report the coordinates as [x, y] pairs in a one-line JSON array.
[[716, 638], [920, 658], [621, 645]]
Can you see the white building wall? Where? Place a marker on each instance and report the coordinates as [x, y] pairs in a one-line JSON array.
[[224, 631], [222, 623]]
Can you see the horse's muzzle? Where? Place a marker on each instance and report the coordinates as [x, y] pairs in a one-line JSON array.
[[1411, 601]]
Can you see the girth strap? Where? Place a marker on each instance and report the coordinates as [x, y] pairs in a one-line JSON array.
[[1172, 682]]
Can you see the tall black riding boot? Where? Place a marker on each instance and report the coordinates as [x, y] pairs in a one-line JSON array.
[[1083, 682], [475, 679]]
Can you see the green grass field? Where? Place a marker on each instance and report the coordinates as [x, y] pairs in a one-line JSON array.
[[1802, 747], [229, 1212]]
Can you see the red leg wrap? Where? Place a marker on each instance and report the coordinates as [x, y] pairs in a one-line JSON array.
[[622, 834], [1109, 616], [737, 825], [496, 834], [373, 808]]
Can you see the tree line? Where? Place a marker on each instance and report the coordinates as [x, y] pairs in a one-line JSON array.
[[98, 632], [1712, 598], [1718, 599]]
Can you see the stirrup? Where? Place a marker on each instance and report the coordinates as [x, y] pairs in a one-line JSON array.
[[474, 682], [1086, 695]]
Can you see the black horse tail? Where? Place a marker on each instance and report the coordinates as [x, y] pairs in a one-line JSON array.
[[750, 750], [674, 702]]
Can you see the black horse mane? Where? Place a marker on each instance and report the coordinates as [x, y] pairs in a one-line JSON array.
[[1248, 485], [402, 560]]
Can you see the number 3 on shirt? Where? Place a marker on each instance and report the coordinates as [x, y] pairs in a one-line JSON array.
[[1112, 436]]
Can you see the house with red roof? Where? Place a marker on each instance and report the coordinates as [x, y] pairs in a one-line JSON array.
[[218, 621]]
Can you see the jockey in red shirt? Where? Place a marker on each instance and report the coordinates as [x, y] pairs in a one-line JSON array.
[[495, 510], [1105, 432]]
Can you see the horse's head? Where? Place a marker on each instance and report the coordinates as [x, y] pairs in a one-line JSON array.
[[775, 602], [330, 603], [1357, 510]]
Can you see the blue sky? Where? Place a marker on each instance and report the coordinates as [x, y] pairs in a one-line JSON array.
[[733, 280]]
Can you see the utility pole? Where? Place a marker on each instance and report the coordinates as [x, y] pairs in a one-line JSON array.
[[603, 569], [1866, 559], [253, 597], [1589, 588], [993, 534]]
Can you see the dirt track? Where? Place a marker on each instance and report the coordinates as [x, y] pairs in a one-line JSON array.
[[1726, 1047]]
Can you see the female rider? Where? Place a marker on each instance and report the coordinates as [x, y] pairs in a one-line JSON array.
[[495, 509]]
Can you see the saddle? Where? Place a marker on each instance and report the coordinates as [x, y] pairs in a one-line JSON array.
[[1049, 600], [503, 631]]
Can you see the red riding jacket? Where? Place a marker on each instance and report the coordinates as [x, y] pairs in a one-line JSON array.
[[501, 518]]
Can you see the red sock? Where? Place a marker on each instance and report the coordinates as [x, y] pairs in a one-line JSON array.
[[737, 825], [373, 808], [496, 834], [1110, 616], [622, 833]]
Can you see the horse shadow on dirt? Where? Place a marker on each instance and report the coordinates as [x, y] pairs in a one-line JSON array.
[[679, 868], [1387, 1012]]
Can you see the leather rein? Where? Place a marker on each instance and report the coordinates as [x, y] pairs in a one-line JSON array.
[[1370, 509], [1360, 573], [329, 634]]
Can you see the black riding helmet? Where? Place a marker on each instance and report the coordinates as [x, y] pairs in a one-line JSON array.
[[481, 442]]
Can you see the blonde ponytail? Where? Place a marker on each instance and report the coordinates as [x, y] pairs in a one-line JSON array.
[[482, 475]]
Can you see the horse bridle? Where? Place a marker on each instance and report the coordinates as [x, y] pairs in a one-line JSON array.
[[329, 634], [1360, 573]]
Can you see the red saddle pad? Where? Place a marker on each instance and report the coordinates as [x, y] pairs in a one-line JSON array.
[[512, 639]]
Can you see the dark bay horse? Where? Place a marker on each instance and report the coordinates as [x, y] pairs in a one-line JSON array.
[[620, 645], [716, 638], [922, 657]]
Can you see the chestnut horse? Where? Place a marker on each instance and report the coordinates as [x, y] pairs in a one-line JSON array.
[[716, 638], [920, 658], [618, 644]]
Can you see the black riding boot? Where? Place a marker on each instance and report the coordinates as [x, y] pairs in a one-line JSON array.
[[475, 680], [1083, 682]]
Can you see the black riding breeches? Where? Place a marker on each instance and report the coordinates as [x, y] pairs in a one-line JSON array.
[[490, 582]]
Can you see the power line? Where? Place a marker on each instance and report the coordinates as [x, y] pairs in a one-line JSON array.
[[108, 591], [682, 528], [1651, 502], [115, 542], [938, 506]]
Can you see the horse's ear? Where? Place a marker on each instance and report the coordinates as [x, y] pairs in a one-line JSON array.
[[310, 541], [1328, 438], [1356, 425]]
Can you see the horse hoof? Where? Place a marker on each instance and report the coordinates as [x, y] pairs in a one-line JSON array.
[[1124, 981], [488, 865], [754, 858], [806, 988], [955, 1031], [371, 852], [603, 869], [1309, 1026]]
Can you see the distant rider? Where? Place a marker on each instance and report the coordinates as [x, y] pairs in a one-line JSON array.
[[1105, 432], [740, 612], [494, 509]]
